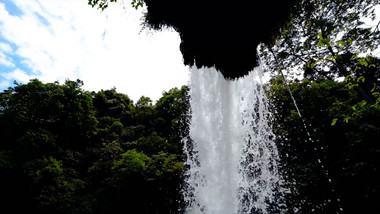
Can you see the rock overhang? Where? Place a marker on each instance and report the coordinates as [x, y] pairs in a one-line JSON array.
[[224, 34]]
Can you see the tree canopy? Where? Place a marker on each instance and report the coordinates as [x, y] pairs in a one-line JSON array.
[[66, 150], [329, 39], [324, 37], [330, 154]]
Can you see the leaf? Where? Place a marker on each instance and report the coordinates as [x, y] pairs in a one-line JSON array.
[[334, 121], [363, 103], [346, 119], [361, 78]]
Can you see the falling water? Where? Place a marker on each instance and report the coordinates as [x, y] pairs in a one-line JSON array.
[[232, 157]]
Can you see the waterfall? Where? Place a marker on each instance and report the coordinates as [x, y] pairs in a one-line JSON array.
[[232, 159]]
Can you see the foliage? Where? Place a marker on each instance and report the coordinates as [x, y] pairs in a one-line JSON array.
[[103, 4], [66, 150], [329, 39], [327, 168], [330, 155], [322, 38]]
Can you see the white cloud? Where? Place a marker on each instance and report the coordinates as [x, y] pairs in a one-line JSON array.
[[18, 75], [6, 60], [6, 48], [58, 40]]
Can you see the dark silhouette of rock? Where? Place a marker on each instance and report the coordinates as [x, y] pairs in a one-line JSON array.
[[224, 34]]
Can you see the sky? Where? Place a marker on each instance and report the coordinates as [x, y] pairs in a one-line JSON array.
[[56, 40]]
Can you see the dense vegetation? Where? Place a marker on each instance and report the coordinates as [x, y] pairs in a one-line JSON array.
[[328, 164], [66, 150], [330, 149]]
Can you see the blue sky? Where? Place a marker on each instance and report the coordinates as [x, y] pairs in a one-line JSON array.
[[67, 39], [12, 8]]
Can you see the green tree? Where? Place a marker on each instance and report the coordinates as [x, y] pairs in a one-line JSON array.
[[112, 104], [174, 117], [329, 39], [326, 167], [66, 150], [323, 37], [150, 182], [39, 121], [145, 114]]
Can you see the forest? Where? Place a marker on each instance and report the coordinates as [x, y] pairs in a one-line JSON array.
[[67, 150]]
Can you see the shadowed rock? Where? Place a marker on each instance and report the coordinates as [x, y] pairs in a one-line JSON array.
[[224, 34]]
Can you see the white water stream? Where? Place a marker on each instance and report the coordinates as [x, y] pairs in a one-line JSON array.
[[232, 157]]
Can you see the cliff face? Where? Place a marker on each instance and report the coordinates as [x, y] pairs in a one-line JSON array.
[[223, 34]]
